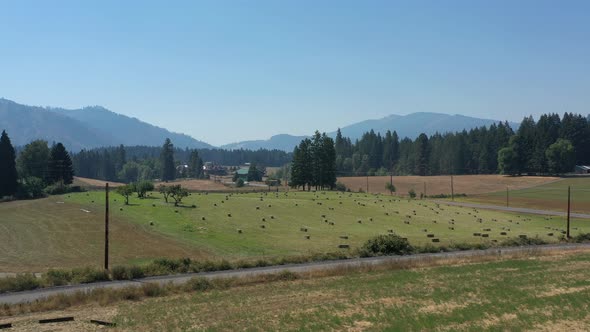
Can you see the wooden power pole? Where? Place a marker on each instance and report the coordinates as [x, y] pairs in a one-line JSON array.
[[507, 198], [106, 228], [452, 189]]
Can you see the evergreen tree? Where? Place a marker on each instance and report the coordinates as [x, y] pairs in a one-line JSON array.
[[168, 171], [195, 165], [422, 155], [254, 173], [60, 165], [8, 174]]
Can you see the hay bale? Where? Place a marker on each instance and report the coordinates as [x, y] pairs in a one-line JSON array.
[[272, 217], [359, 221], [203, 218], [549, 234], [435, 240], [151, 223], [522, 236], [239, 231], [343, 246], [331, 223], [303, 229], [485, 235], [154, 205], [503, 233], [262, 226], [476, 234], [229, 215], [258, 208], [345, 237], [429, 235], [307, 237]]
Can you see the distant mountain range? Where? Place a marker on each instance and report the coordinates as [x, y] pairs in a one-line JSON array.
[[88, 127], [410, 125], [96, 126], [280, 142]]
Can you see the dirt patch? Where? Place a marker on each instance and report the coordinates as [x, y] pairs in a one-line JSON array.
[[360, 325], [563, 290], [93, 183], [82, 317]]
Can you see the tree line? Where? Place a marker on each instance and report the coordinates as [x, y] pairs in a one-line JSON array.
[[37, 169], [135, 163], [551, 145]]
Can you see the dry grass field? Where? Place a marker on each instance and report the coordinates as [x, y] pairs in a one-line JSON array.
[[93, 183], [538, 293], [464, 184], [38, 234]]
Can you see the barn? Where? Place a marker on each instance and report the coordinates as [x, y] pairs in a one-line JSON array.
[[582, 169]]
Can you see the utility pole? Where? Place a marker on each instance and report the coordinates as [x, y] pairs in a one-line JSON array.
[[568, 210], [367, 183], [424, 189], [106, 228], [452, 189]]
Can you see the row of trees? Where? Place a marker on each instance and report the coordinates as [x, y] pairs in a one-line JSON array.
[[314, 163], [136, 163], [476, 151], [36, 168]]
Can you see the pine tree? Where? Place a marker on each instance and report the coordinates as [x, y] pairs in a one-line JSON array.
[[60, 165], [8, 174], [195, 165], [168, 171]]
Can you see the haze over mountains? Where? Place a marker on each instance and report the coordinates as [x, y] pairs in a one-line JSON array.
[[96, 126], [88, 127]]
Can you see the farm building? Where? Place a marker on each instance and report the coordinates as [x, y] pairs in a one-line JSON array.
[[242, 173], [582, 169]]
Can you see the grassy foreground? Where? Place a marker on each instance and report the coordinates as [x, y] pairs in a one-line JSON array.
[[541, 293], [546, 293], [67, 231]]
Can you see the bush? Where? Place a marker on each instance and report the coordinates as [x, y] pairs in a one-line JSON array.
[[88, 275], [119, 273], [340, 186], [390, 244], [412, 193], [57, 278], [30, 187], [199, 284], [58, 188], [526, 241], [18, 283], [239, 183], [581, 238]]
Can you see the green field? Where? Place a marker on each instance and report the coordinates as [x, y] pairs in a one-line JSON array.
[[550, 196], [58, 232], [542, 294]]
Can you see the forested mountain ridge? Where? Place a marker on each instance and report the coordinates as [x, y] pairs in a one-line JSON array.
[[89, 127], [412, 125]]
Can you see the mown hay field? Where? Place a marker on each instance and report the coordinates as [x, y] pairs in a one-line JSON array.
[[436, 185], [550, 196], [67, 231]]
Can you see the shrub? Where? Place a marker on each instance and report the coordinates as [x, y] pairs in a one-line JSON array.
[[412, 193], [582, 237], [57, 277], [18, 283], [119, 273], [523, 241], [58, 188], [88, 275], [390, 244], [340, 186], [30, 187], [199, 284]]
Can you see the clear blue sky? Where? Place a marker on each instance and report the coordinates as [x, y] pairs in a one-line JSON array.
[[224, 71]]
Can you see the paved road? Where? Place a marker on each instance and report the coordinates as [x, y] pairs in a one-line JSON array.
[[513, 209], [30, 296]]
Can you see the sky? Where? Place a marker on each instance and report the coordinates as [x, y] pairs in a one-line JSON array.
[[226, 71]]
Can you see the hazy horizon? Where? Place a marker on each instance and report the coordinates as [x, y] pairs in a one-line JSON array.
[[224, 72]]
